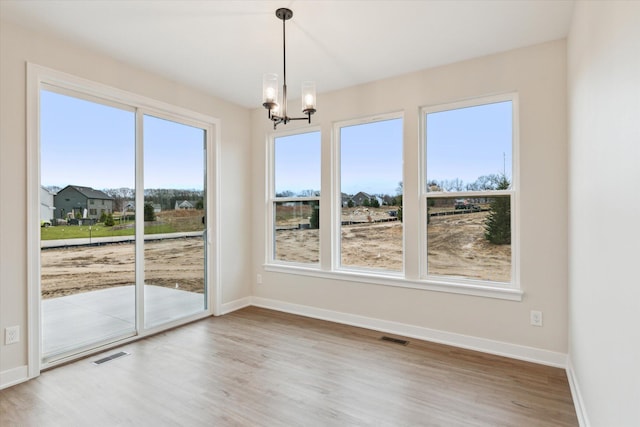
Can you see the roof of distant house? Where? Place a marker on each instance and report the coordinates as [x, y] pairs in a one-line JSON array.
[[89, 192]]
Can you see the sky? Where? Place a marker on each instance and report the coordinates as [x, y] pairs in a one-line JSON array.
[[297, 162], [90, 144], [371, 157], [93, 145], [467, 143]]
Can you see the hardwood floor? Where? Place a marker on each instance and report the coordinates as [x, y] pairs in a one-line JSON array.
[[257, 367]]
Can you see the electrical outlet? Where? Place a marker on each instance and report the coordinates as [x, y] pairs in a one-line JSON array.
[[536, 318], [12, 335], [259, 279]]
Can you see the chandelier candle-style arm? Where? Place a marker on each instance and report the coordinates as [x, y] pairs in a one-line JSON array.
[[276, 112]]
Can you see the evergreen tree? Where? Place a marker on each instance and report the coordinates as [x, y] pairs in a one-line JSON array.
[[314, 221], [497, 226], [149, 214], [109, 221], [374, 203]]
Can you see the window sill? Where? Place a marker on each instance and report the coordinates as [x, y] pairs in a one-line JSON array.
[[503, 292]]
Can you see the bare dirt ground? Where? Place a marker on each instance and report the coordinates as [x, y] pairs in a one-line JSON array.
[[456, 248], [169, 263]]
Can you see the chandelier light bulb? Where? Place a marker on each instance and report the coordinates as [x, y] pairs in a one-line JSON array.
[[308, 101], [271, 95]]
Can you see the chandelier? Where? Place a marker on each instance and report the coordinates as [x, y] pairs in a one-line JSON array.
[[277, 112]]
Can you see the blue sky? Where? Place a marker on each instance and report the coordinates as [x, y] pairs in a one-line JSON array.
[[371, 157], [467, 143], [297, 162], [93, 145]]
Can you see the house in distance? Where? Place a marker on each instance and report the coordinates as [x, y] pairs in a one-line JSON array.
[[75, 201]]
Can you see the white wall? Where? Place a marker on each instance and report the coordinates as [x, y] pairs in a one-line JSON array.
[[604, 210], [538, 74], [17, 46]]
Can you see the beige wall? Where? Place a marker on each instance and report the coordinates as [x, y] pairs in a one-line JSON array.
[[538, 74], [604, 218], [17, 46]]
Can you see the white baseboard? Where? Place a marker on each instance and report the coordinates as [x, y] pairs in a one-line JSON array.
[[514, 351], [14, 376], [578, 403], [228, 307]]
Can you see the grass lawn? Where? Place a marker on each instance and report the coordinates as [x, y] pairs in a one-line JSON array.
[[98, 230]]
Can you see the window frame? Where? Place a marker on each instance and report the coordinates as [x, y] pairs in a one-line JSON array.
[[336, 231], [413, 171], [513, 192], [42, 78], [271, 201]]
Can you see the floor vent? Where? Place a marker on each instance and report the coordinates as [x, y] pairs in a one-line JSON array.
[[395, 340], [110, 358]]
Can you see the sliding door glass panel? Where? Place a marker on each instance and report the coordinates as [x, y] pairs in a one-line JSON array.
[[87, 177], [174, 220]]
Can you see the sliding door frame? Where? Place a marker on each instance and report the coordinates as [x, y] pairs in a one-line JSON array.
[[39, 77]]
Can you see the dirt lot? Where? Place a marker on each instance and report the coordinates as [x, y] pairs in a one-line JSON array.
[[170, 263], [456, 248]]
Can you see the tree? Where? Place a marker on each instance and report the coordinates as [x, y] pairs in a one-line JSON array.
[[149, 213], [497, 226], [109, 221], [365, 202], [374, 203], [485, 182], [103, 217], [350, 203], [314, 221], [398, 199]]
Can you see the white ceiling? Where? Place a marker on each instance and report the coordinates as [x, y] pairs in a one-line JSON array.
[[224, 47]]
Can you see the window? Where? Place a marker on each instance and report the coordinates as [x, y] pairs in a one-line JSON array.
[[295, 198], [160, 280], [469, 191], [370, 218]]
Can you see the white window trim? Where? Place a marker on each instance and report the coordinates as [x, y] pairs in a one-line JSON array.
[[38, 78], [336, 224], [329, 271], [271, 199], [514, 193]]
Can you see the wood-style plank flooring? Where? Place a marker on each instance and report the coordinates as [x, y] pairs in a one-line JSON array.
[[257, 367]]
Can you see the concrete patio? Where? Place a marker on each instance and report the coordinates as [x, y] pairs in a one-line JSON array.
[[76, 321]]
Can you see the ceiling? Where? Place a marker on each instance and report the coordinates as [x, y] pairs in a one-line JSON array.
[[224, 47]]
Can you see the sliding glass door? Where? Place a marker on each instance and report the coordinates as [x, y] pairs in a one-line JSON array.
[[175, 220], [87, 170], [123, 201]]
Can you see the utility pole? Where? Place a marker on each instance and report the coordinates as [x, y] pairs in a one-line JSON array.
[[504, 164]]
